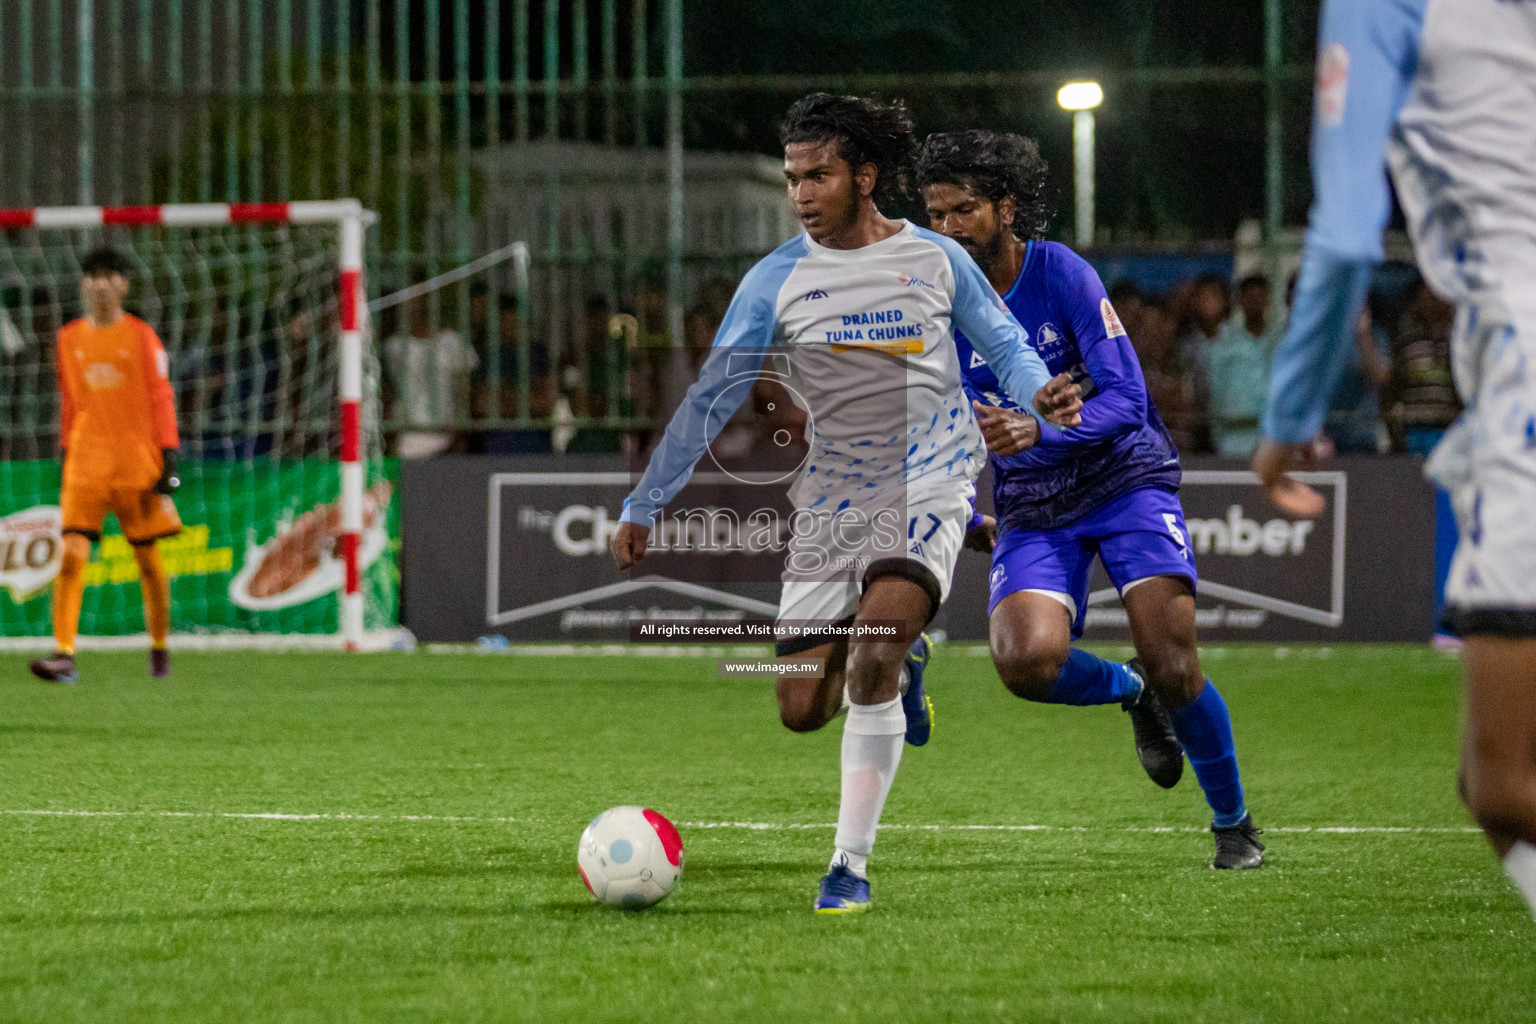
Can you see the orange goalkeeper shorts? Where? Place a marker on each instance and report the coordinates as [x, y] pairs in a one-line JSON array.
[[145, 516]]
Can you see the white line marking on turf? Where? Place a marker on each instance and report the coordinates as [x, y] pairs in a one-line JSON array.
[[898, 827], [756, 826], [257, 816]]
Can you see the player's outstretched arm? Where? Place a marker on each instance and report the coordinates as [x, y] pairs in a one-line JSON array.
[[693, 426], [1367, 51], [740, 344]]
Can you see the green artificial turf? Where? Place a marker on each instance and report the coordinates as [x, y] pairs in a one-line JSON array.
[[427, 904]]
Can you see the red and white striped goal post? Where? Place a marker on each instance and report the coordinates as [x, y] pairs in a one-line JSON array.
[[349, 217]]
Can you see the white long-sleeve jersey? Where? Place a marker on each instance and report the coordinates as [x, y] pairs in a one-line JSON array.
[[866, 337]]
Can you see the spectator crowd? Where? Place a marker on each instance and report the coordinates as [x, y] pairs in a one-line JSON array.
[[1206, 348]]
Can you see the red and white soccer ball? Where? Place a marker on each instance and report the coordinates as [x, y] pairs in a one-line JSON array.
[[630, 857]]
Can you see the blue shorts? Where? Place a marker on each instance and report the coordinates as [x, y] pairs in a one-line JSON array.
[[1139, 534]]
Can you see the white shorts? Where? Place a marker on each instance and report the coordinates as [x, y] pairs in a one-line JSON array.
[[1487, 461], [918, 536]]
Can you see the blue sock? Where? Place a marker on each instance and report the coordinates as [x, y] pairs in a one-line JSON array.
[[1086, 679], [1205, 729]]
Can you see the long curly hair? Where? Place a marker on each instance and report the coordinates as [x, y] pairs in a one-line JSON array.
[[991, 165], [866, 132]]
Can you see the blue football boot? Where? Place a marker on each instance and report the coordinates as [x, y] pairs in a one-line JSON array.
[[842, 892], [915, 702]]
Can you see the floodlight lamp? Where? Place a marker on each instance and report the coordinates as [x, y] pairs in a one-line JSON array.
[[1080, 95]]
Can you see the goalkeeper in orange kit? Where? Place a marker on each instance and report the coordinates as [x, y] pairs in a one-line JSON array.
[[118, 445]]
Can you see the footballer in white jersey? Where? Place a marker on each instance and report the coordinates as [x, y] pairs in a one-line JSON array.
[[1445, 90], [856, 317]]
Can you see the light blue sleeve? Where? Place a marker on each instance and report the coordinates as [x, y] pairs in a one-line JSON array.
[[742, 341], [1367, 53], [991, 328]]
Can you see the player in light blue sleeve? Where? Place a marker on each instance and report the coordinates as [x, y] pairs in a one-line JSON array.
[[1444, 91], [862, 309]]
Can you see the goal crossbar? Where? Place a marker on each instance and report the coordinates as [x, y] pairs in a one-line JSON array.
[[350, 219]]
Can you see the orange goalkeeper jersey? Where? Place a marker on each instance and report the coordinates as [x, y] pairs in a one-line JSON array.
[[116, 405]]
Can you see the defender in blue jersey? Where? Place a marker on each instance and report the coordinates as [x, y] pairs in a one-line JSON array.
[[860, 310], [1107, 489], [1445, 92]]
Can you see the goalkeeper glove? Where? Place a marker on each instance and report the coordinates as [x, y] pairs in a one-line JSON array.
[[168, 481]]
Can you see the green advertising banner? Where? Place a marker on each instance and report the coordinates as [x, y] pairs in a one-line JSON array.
[[257, 552]]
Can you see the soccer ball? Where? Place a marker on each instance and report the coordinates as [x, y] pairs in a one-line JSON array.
[[630, 857]]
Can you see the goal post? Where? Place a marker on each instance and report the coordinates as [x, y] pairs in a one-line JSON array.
[[352, 302], [262, 310]]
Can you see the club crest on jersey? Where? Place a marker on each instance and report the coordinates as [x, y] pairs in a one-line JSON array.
[[103, 376], [1332, 85], [1112, 326], [815, 293], [1048, 340], [913, 282]]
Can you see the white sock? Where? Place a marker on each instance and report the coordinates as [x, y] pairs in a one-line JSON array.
[[872, 740], [858, 863], [1520, 865]]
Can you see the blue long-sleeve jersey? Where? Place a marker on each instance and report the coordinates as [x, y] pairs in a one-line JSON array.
[[1122, 444]]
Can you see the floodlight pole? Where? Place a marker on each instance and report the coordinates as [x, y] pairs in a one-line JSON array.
[[679, 371], [86, 57], [1082, 166], [1274, 160], [1081, 98], [674, 142]]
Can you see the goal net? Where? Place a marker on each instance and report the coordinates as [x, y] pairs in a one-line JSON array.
[[286, 499]]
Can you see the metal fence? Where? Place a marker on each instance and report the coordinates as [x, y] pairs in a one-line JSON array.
[[468, 124]]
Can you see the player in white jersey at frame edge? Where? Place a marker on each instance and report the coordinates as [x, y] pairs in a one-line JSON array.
[[1446, 91], [865, 306]]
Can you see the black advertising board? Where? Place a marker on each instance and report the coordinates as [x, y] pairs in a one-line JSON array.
[[517, 547], [1363, 571]]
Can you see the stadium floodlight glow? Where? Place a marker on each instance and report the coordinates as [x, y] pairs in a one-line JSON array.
[[1080, 95], [1081, 98]]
